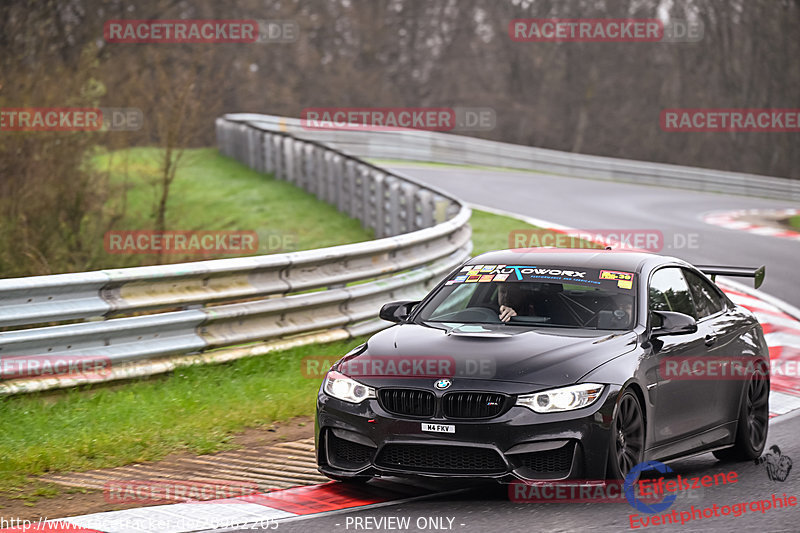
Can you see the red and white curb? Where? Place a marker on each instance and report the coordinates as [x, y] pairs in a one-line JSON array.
[[782, 333], [732, 220], [780, 320], [255, 511]]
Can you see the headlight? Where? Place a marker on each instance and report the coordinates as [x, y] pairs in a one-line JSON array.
[[340, 386], [564, 399]]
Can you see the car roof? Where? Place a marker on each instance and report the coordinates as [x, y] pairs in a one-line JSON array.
[[631, 261]]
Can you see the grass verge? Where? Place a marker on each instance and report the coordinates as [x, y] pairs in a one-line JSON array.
[[212, 192], [112, 425], [144, 420], [492, 232]]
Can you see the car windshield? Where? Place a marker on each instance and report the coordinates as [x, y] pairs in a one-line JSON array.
[[570, 297]]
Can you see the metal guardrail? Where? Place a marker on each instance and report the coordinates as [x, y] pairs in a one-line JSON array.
[[238, 307], [422, 234], [439, 147]]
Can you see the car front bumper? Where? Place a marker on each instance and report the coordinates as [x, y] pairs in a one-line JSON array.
[[356, 440]]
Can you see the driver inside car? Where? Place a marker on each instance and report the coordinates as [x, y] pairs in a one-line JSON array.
[[510, 299]]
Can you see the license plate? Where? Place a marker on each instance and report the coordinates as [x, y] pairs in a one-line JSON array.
[[439, 428]]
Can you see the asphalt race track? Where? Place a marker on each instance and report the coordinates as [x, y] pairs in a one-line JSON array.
[[487, 508], [454, 505], [595, 205]]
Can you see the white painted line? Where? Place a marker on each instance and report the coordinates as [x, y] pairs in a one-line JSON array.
[[781, 403], [786, 307], [523, 218], [544, 224], [738, 225], [755, 303], [766, 230], [779, 338], [778, 321]]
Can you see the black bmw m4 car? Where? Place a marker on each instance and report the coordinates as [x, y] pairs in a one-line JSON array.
[[550, 364]]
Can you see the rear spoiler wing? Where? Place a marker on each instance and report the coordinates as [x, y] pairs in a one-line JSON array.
[[743, 272]]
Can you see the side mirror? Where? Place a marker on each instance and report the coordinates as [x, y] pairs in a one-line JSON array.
[[671, 323], [397, 311]]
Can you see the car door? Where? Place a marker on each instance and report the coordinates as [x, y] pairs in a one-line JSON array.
[[720, 331], [680, 407]]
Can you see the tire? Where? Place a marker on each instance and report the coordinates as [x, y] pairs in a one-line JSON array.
[[626, 448], [753, 424]]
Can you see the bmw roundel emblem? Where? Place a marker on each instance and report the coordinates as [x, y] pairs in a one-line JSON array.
[[442, 384]]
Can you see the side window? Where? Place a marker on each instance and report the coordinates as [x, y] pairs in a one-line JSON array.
[[669, 292], [707, 300]]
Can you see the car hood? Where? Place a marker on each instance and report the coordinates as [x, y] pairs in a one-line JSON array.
[[508, 353]]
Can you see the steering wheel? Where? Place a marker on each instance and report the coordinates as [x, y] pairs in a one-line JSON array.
[[476, 314]]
